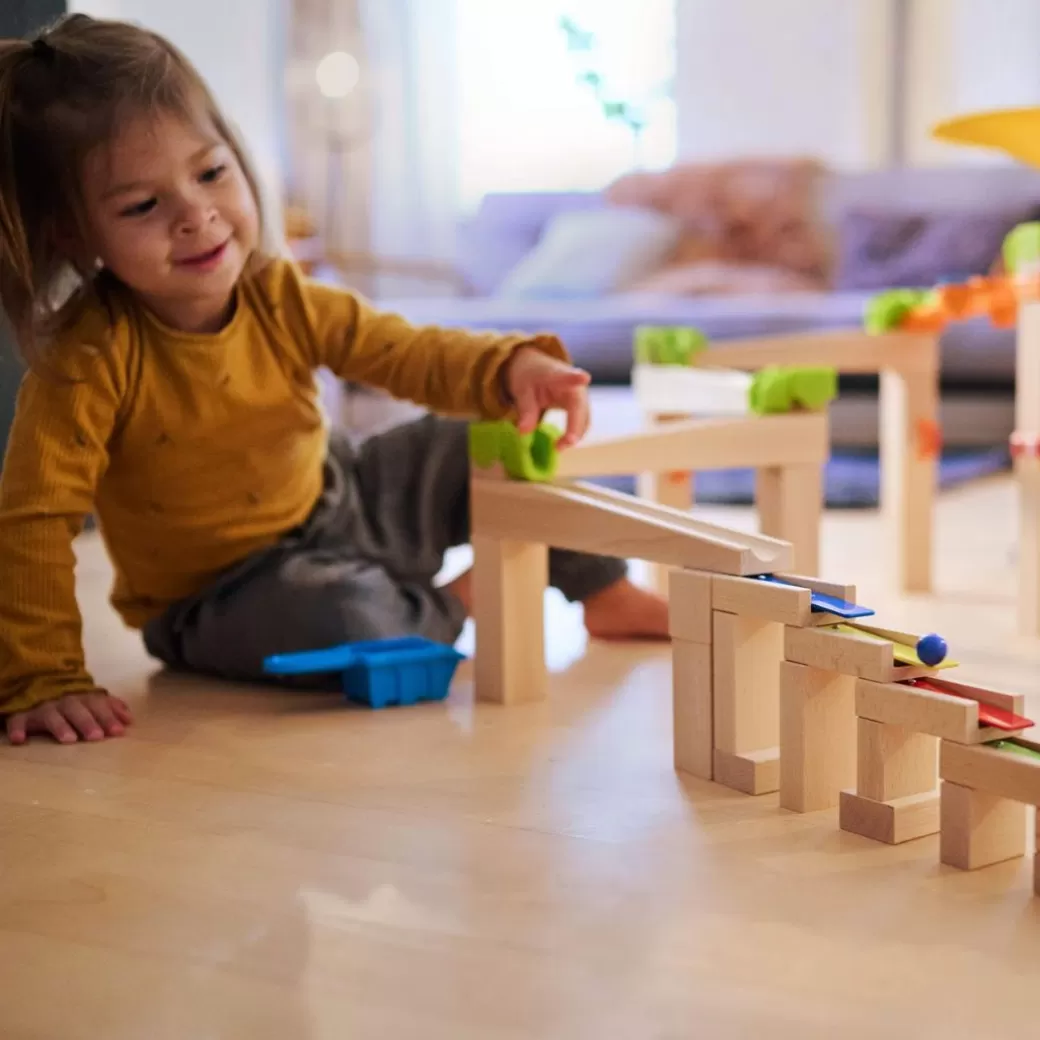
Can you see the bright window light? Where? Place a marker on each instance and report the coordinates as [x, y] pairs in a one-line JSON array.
[[525, 121]]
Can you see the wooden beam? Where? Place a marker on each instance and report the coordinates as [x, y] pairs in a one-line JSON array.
[[580, 517], [750, 442], [850, 351]]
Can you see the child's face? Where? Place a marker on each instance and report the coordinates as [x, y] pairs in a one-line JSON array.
[[171, 214]]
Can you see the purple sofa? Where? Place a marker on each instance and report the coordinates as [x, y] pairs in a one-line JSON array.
[[955, 216]]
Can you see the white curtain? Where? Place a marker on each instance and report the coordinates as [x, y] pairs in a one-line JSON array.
[[410, 59]]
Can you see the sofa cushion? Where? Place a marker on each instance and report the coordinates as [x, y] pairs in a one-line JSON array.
[[881, 248], [589, 253]]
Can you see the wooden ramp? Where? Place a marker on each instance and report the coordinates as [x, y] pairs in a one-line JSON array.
[[575, 515], [515, 522]]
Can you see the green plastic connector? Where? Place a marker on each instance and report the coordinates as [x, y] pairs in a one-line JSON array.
[[667, 344], [777, 389], [529, 456], [886, 311], [1022, 248]]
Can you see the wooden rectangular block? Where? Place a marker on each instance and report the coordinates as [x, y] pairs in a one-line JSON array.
[[689, 605], [1036, 859], [746, 656], [1013, 702], [789, 499], [866, 657], [509, 581], [692, 729], [1001, 773], [902, 819], [754, 772], [893, 762], [826, 588], [978, 828], [817, 737], [749, 597], [920, 711]]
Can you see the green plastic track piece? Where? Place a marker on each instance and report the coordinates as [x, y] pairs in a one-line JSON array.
[[777, 389], [885, 311], [667, 344], [529, 456], [1015, 748], [1022, 247]]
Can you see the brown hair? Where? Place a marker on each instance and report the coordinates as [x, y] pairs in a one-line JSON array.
[[60, 95]]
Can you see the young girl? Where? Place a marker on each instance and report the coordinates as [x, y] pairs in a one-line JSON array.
[[171, 392]]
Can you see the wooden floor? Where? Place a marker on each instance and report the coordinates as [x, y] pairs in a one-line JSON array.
[[252, 865]]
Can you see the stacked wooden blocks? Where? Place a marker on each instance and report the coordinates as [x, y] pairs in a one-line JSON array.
[[899, 728], [750, 710]]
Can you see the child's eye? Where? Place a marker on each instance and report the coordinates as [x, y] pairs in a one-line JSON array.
[[214, 173], [141, 208]]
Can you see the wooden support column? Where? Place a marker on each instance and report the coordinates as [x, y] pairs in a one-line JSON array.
[[509, 582], [789, 500], [909, 440]]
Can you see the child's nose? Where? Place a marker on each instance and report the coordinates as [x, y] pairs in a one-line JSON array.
[[192, 216]]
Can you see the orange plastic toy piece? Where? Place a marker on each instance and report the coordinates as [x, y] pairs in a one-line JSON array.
[[929, 439], [996, 297]]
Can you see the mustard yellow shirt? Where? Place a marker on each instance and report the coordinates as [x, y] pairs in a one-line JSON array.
[[193, 451]]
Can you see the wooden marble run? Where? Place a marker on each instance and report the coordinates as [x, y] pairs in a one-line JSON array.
[[676, 375], [780, 682], [1012, 301]]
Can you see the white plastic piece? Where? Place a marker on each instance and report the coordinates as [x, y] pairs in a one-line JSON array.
[[679, 390]]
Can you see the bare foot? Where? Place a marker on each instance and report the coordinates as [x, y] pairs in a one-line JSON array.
[[626, 611], [462, 589]]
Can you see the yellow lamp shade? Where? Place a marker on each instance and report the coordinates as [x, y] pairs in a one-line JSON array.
[[1014, 131]]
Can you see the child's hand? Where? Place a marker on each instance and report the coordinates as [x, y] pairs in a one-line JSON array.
[[537, 382], [90, 716]]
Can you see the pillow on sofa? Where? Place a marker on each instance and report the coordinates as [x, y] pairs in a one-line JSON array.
[[589, 253], [884, 249]]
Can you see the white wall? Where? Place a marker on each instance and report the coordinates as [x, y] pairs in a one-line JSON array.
[[784, 77], [237, 45], [968, 55]]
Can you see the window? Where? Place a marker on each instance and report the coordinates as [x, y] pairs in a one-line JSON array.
[[526, 122]]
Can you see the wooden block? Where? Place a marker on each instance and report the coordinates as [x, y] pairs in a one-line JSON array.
[[826, 588], [847, 350], [920, 711], [789, 499], [902, 819], [749, 597], [1013, 702], [753, 772], [908, 407], [817, 737], [591, 519], [667, 489], [978, 828], [982, 768], [704, 444], [832, 651], [509, 581], [893, 762], [746, 656], [692, 729], [689, 605], [1036, 859]]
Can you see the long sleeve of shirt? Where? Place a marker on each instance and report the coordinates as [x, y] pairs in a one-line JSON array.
[[57, 452], [455, 371]]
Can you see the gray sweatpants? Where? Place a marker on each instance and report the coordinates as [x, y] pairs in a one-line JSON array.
[[360, 567]]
